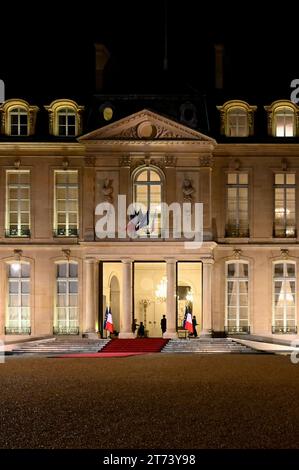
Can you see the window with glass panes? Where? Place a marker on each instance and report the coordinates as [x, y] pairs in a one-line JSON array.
[[67, 125], [148, 199], [18, 305], [67, 311], [237, 224], [237, 122], [284, 297], [18, 203], [284, 121], [237, 311], [66, 203], [18, 121], [284, 205]]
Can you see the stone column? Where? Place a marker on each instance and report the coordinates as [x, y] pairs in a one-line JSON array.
[[207, 268], [90, 298], [171, 299], [126, 321]]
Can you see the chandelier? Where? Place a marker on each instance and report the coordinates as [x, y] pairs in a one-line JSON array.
[[161, 291]]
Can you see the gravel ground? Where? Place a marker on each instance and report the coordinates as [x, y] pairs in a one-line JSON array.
[[155, 401]]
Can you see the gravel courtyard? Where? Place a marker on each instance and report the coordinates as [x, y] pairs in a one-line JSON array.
[[155, 401]]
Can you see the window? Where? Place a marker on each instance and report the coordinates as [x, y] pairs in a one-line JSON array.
[[18, 309], [18, 117], [67, 312], [67, 122], [237, 205], [65, 118], [147, 201], [284, 122], [284, 297], [236, 118], [284, 205], [237, 311], [18, 121], [18, 203], [237, 124], [66, 203]]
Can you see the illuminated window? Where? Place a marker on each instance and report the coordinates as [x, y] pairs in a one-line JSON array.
[[284, 122], [67, 125], [284, 297], [18, 118], [108, 113], [66, 222], [284, 205], [237, 310], [237, 224], [237, 124], [65, 118], [18, 306], [18, 121], [17, 203], [66, 319], [147, 200]]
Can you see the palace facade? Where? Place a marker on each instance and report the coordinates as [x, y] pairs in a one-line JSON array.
[[57, 277]]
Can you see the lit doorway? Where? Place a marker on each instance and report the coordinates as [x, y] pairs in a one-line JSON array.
[[189, 292], [110, 282]]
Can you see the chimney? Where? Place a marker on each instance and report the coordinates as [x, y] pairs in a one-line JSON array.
[[102, 57], [219, 53]]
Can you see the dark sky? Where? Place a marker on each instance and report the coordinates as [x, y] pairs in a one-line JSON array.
[[47, 49]]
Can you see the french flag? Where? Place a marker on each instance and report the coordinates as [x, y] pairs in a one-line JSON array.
[[109, 321], [188, 325]]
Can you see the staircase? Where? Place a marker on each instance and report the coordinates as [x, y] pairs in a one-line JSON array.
[[138, 345], [61, 345], [206, 346]]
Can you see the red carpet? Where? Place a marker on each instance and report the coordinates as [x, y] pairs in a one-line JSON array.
[[99, 354], [138, 345]]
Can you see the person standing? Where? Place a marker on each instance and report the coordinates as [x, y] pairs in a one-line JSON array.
[[194, 323], [163, 324]]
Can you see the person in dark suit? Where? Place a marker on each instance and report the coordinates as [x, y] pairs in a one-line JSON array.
[[140, 332], [163, 324], [134, 325], [194, 323]]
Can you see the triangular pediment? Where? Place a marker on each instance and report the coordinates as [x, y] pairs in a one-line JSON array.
[[145, 125]]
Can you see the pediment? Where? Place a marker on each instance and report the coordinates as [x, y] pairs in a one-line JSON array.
[[145, 125]]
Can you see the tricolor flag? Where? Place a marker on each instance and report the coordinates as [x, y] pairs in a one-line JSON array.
[[187, 324], [108, 323]]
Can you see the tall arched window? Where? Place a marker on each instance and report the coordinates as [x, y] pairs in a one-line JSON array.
[[237, 310], [284, 297], [237, 122], [66, 319], [284, 122], [147, 192], [18, 305]]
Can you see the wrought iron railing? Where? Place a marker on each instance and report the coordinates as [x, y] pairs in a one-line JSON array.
[[63, 232], [14, 232], [237, 329], [64, 330], [15, 330], [236, 232], [284, 330]]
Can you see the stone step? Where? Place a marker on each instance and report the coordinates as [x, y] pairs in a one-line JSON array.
[[206, 346], [61, 347]]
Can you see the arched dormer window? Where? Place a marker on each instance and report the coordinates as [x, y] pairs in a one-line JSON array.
[[18, 118], [147, 196], [282, 119], [236, 118], [65, 118]]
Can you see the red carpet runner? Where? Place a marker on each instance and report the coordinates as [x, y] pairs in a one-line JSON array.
[[142, 345]]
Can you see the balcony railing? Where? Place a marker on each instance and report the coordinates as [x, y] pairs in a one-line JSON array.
[[15, 232], [234, 330], [63, 232], [65, 330], [288, 232], [284, 330], [236, 232], [15, 330]]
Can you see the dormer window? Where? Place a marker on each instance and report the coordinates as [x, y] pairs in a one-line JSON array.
[[65, 118], [18, 118], [18, 121], [282, 118], [236, 119]]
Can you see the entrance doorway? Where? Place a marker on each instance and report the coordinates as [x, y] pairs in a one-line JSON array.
[[150, 292], [110, 280], [189, 292]]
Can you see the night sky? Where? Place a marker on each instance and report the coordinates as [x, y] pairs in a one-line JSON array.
[[47, 52]]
